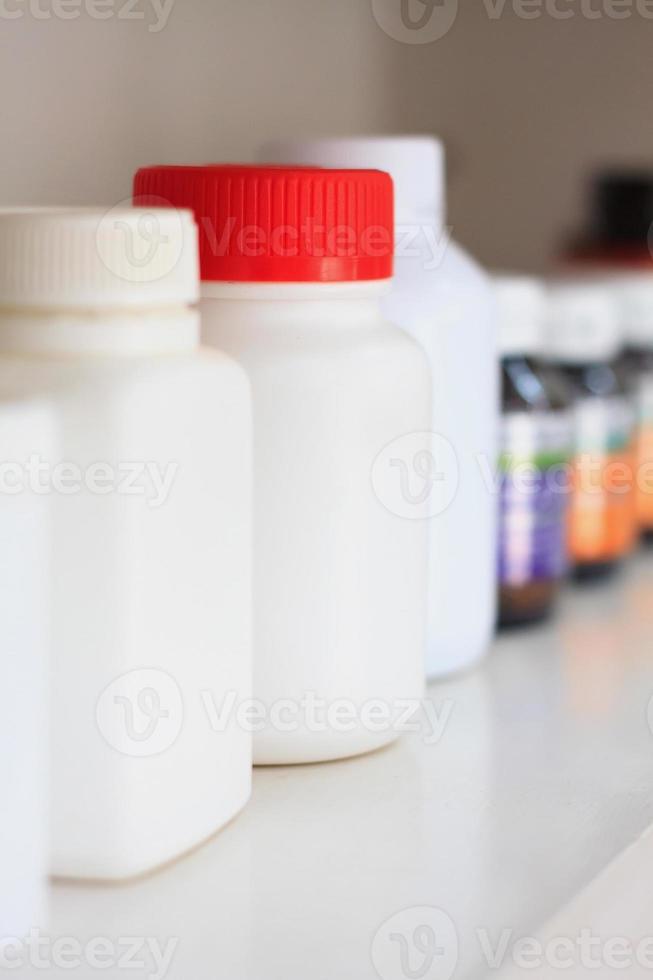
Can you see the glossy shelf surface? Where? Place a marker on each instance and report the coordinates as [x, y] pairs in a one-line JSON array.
[[542, 776]]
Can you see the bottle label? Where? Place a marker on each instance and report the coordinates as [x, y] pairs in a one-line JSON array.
[[644, 450], [534, 471], [602, 520]]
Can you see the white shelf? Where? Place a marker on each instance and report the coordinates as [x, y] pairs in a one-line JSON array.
[[543, 776]]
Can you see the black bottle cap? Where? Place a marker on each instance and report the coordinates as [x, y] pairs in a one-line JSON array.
[[623, 207]]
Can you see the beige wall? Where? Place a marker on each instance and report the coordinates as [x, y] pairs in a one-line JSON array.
[[84, 101], [526, 106]]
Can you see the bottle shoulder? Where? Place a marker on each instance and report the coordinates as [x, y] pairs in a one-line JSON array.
[[459, 261], [451, 288], [320, 331], [104, 376], [376, 359], [442, 262]]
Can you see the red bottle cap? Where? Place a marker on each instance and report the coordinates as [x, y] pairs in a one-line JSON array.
[[281, 224]]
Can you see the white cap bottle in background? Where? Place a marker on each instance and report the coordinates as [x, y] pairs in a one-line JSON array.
[[584, 340], [533, 463], [521, 313], [441, 298], [149, 492], [26, 432]]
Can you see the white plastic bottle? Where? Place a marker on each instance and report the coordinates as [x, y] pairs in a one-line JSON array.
[[149, 490], [25, 429], [293, 265], [444, 300]]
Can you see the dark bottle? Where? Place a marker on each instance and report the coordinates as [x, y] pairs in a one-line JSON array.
[[584, 343], [635, 293], [535, 436]]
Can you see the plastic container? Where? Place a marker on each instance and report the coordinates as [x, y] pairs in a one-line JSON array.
[[149, 490], [533, 464], [442, 299], [294, 262], [584, 341], [25, 429]]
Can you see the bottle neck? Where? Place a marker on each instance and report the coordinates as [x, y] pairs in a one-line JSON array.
[[120, 333], [303, 303]]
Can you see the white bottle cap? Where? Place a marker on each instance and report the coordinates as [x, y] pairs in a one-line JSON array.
[[582, 323], [87, 258], [634, 296], [415, 163], [521, 308]]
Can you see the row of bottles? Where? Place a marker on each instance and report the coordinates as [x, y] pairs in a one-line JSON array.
[[576, 488], [238, 565], [246, 484]]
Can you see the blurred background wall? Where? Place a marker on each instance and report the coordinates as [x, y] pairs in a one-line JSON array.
[[526, 104]]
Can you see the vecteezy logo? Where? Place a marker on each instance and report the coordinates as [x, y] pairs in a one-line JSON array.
[[420, 943], [134, 246], [141, 713], [416, 475], [143, 241], [415, 21]]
